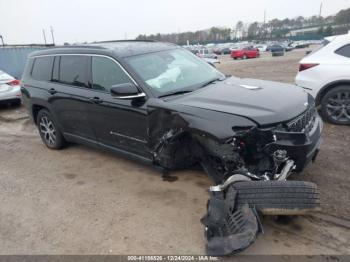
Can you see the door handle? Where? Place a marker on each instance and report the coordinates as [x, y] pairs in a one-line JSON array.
[[52, 91], [96, 100]]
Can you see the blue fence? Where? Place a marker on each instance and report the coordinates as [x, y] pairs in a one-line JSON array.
[[13, 59]]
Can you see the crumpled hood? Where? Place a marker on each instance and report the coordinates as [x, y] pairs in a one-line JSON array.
[[264, 102]]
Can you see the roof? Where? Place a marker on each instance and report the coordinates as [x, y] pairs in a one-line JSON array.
[[122, 48]]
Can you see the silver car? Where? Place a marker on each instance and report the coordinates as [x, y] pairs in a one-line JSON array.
[[10, 90]]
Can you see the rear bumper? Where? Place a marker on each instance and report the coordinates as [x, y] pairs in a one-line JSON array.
[[13, 94]]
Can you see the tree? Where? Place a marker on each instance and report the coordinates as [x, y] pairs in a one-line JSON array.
[[343, 17], [328, 31], [253, 30]]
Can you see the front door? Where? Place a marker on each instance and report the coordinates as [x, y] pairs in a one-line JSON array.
[[116, 122]]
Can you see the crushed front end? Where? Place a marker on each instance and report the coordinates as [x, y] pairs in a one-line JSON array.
[[267, 152]]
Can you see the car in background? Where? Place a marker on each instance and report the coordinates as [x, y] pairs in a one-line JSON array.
[[10, 90], [276, 50], [261, 48], [299, 45], [224, 51], [246, 52], [287, 47], [325, 74]]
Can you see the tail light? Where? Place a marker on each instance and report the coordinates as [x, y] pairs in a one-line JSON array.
[[303, 67], [14, 83]]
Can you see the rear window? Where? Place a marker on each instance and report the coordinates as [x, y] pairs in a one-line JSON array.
[[42, 68], [74, 70], [344, 51]]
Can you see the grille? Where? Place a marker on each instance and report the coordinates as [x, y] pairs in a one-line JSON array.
[[303, 122]]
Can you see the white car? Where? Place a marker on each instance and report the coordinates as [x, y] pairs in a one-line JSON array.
[[10, 90], [325, 74]]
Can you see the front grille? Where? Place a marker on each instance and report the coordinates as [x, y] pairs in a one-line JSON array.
[[303, 122]]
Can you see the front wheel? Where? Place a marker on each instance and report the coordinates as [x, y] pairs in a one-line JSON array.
[[48, 130], [245, 57], [335, 106]]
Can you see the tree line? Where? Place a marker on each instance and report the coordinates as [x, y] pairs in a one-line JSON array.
[[273, 29]]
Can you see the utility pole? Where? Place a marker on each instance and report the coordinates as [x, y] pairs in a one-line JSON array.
[[53, 39], [320, 13], [2, 40], [44, 36]]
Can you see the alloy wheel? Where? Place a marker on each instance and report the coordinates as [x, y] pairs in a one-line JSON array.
[[48, 130], [338, 106]]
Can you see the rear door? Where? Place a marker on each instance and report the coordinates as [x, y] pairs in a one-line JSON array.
[[70, 95]]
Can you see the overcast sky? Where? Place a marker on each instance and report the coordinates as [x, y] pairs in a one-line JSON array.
[[22, 21]]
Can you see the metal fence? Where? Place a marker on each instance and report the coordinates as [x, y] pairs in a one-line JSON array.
[[13, 59]]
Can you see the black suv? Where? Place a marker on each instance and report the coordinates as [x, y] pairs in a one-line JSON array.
[[161, 104]]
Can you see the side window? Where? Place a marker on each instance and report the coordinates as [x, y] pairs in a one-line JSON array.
[[106, 73], [344, 51], [74, 70], [42, 68]]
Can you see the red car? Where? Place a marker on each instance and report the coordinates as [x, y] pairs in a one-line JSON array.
[[247, 52]]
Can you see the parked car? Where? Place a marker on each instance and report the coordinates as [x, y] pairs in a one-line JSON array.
[[276, 50], [261, 48], [299, 45], [225, 51], [204, 53], [162, 105], [166, 99], [9, 89], [325, 74], [244, 53]]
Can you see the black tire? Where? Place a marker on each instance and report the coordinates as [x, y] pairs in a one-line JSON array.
[[278, 197], [53, 138], [244, 57], [335, 103]]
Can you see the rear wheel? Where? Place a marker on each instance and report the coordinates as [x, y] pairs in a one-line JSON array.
[[244, 56], [49, 132], [335, 105], [278, 197]]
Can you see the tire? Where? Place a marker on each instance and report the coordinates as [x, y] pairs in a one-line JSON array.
[[278, 197], [53, 137], [335, 105], [235, 58], [244, 57]]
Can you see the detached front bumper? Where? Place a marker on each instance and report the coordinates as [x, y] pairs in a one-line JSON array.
[[302, 147]]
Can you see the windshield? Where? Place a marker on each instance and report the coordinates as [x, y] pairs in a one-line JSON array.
[[172, 71]]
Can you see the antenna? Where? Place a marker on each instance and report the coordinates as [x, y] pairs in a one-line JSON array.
[[53, 39], [321, 5], [44, 36]]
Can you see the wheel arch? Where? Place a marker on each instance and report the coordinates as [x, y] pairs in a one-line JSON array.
[[325, 89], [35, 111]]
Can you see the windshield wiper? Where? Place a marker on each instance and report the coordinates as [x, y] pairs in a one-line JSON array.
[[176, 93]]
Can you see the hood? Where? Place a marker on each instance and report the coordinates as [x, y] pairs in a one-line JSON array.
[[264, 102]]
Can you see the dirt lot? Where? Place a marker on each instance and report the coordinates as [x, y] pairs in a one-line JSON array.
[[83, 201]]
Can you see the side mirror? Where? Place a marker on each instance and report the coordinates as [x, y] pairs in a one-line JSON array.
[[126, 91]]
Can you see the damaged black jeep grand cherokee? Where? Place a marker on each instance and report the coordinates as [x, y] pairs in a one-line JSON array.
[[160, 104]]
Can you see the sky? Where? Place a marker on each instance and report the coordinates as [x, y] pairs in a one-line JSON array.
[[22, 21]]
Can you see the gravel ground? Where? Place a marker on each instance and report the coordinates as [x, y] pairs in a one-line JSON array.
[[84, 201]]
